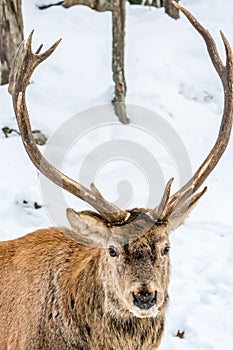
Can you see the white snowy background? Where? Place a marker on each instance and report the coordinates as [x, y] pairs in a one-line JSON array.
[[169, 72]]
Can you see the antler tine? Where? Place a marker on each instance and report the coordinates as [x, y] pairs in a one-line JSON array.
[[229, 56], [180, 198], [195, 197], [157, 212], [24, 64], [183, 208], [16, 63], [176, 200], [39, 49]]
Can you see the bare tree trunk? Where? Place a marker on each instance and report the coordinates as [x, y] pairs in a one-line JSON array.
[[167, 4], [117, 7], [11, 35], [171, 10], [118, 44]]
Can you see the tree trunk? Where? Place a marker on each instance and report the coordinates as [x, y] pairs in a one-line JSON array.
[[171, 10], [118, 45], [167, 4], [11, 35], [117, 7]]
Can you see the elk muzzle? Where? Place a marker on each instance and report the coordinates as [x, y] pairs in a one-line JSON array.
[[144, 300]]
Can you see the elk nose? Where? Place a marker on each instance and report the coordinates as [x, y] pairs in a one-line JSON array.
[[144, 300]]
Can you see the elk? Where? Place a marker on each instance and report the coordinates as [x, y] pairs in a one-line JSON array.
[[102, 285]]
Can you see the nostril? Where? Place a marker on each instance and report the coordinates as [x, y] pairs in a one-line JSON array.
[[153, 298], [144, 300]]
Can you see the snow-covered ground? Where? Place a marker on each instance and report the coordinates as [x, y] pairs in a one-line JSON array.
[[169, 74]]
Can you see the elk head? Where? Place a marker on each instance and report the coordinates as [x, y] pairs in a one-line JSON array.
[[134, 264], [136, 242]]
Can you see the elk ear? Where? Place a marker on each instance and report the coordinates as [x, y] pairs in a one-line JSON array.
[[89, 227], [181, 212]]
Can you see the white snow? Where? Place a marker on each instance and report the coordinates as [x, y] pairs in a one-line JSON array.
[[168, 71]]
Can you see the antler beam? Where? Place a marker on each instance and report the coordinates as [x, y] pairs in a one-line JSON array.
[[185, 198], [24, 64]]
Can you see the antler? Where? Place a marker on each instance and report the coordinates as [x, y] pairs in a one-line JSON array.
[[180, 204], [171, 208], [24, 64]]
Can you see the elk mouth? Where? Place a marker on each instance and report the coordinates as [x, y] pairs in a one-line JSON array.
[[152, 312]]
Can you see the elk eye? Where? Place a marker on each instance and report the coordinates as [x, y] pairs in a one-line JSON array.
[[165, 250], [113, 252]]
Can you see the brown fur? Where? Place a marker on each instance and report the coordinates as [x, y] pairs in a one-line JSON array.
[[58, 294]]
